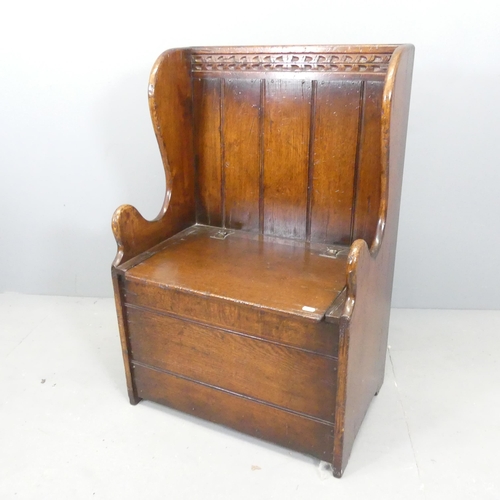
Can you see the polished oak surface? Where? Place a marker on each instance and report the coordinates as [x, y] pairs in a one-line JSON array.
[[253, 135], [241, 319], [259, 298], [260, 370], [248, 415], [248, 269]]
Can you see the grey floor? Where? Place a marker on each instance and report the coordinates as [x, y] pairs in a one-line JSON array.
[[68, 432]]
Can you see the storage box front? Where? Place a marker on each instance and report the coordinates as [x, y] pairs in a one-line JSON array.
[[280, 392]]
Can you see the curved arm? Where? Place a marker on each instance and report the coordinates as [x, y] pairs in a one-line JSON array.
[[170, 107], [134, 234], [395, 103], [395, 106], [359, 257]]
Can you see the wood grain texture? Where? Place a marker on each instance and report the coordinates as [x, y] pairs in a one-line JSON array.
[[338, 106], [273, 326], [288, 378], [208, 151], [369, 168], [249, 416], [365, 319], [282, 329], [170, 107], [202, 265], [286, 149], [242, 156], [118, 289], [296, 62]]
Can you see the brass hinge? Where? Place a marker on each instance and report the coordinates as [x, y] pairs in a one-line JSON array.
[[222, 234], [331, 252]]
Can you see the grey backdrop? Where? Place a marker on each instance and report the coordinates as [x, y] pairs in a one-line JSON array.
[[76, 140]]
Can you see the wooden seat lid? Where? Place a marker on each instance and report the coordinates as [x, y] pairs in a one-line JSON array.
[[269, 273]]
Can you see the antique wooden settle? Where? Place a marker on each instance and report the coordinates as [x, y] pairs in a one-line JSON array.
[[259, 297]]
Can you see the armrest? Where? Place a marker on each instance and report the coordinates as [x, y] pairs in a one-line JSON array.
[[360, 264], [169, 94], [134, 234]]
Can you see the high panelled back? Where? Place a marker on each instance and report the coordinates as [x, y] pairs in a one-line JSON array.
[[289, 147]]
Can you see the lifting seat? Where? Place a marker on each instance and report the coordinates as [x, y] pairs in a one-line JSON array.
[[259, 298]]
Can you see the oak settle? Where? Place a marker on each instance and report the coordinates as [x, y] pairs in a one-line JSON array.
[[259, 298]]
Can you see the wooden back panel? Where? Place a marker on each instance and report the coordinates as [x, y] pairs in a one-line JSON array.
[[287, 143]]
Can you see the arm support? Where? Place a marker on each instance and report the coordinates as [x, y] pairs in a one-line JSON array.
[[134, 234]]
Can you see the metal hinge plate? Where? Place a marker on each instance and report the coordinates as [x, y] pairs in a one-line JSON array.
[[222, 234]]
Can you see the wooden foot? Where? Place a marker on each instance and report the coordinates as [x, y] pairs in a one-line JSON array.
[[337, 472], [133, 398]]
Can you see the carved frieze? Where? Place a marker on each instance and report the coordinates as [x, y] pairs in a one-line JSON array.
[[356, 63]]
